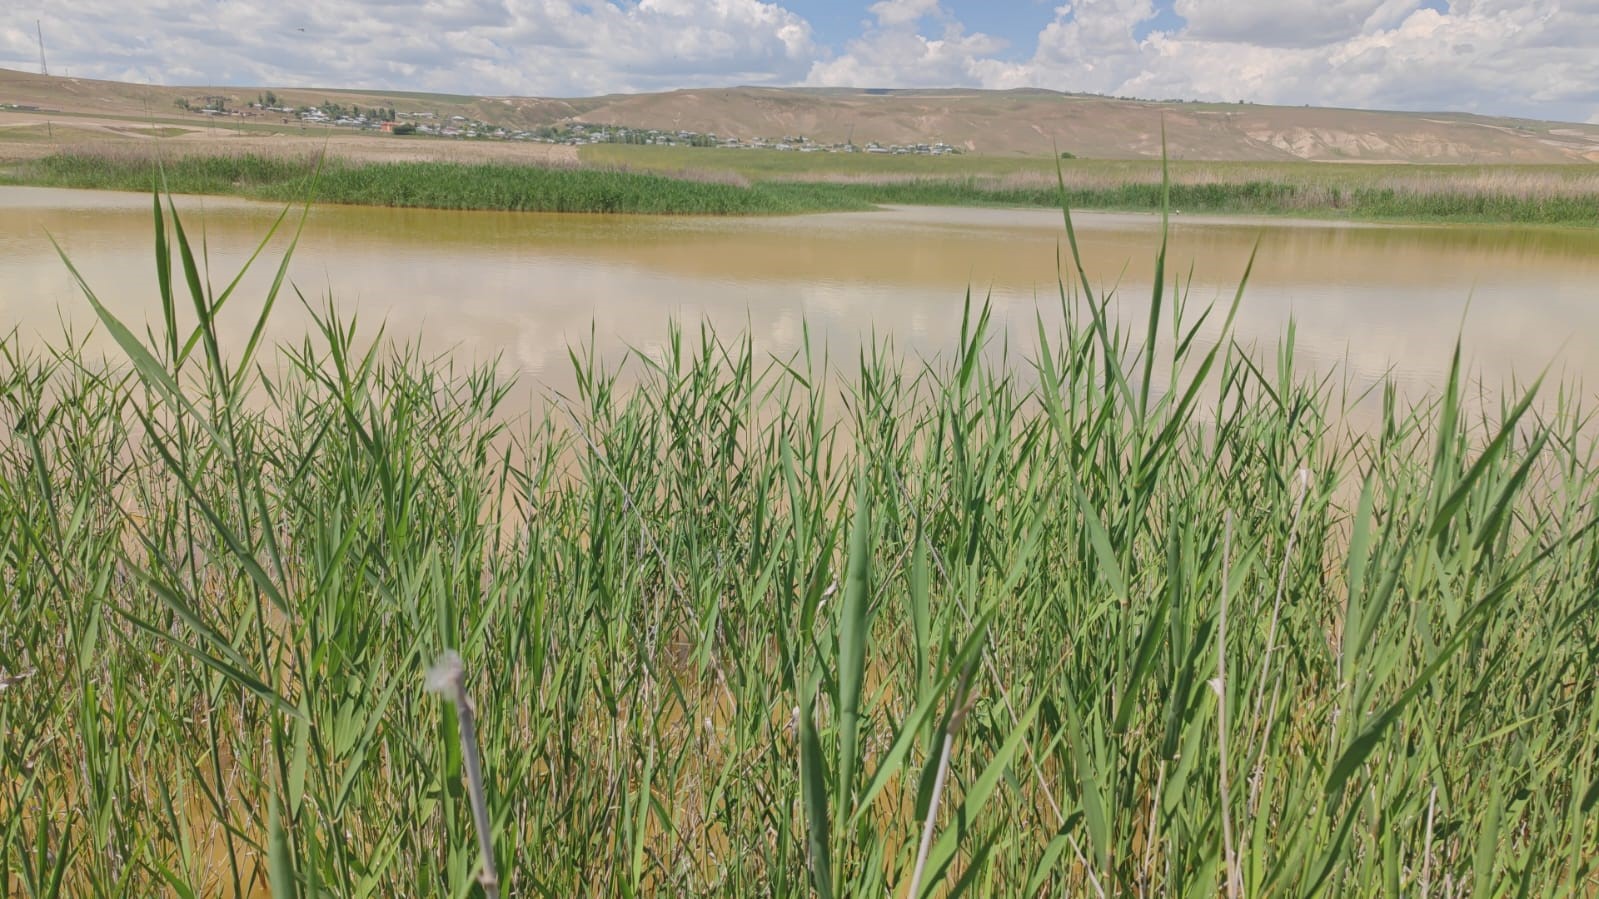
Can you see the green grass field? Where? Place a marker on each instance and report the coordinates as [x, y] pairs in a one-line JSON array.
[[735, 625]]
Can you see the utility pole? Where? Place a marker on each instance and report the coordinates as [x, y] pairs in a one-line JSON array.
[[39, 29]]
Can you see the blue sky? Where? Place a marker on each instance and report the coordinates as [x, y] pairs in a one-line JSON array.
[[1018, 21], [1533, 58]]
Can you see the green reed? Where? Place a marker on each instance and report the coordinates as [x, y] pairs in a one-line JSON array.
[[1254, 197], [431, 185], [730, 182], [741, 625], [1529, 194]]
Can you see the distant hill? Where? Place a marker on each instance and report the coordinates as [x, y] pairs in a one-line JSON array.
[[1019, 122]]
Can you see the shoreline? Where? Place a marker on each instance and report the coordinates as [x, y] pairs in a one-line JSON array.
[[525, 186], [379, 500], [50, 196]]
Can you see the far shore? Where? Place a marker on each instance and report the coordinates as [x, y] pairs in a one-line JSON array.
[[497, 175]]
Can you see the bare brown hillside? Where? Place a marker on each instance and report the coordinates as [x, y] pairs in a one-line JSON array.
[[1022, 122], [1032, 122]]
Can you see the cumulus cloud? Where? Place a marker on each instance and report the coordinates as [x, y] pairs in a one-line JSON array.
[[1526, 57], [559, 47], [895, 53], [1091, 46], [1288, 23], [1521, 57], [895, 13], [1508, 57]]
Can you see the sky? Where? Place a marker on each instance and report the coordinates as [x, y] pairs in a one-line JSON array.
[[1535, 58]]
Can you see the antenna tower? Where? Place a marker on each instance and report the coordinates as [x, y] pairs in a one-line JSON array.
[[39, 29]]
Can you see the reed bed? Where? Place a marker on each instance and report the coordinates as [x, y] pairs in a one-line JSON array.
[[1312, 188], [733, 182], [743, 626], [1530, 199], [423, 184], [1534, 194], [1040, 171]]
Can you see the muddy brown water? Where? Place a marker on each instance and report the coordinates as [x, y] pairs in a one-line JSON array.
[[1367, 299]]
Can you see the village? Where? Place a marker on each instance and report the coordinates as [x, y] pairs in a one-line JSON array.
[[579, 133], [389, 121]]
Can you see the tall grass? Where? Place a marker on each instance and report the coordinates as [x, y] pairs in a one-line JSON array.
[[736, 625], [727, 182], [1404, 201], [1522, 180], [433, 185], [1533, 194]]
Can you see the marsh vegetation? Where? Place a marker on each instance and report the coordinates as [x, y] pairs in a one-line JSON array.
[[621, 178], [736, 625], [434, 185]]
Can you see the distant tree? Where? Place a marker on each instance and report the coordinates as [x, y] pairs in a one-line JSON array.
[[182, 103], [406, 128], [1067, 154], [271, 99]]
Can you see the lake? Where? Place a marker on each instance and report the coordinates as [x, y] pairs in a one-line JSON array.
[[1367, 299]]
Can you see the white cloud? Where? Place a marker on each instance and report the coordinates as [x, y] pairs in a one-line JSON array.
[[894, 53], [1528, 57], [1288, 23], [1507, 58], [894, 13], [1090, 46], [553, 47], [904, 58]]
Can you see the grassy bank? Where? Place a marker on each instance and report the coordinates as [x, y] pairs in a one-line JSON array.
[[739, 626], [434, 185], [1545, 194], [739, 182], [1387, 204]]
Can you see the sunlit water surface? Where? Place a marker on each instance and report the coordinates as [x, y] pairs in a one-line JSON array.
[[522, 287]]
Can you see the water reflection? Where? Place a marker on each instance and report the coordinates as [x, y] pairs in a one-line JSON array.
[[526, 285]]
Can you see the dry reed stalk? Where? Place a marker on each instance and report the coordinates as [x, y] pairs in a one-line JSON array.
[[1230, 858], [447, 678], [964, 701]]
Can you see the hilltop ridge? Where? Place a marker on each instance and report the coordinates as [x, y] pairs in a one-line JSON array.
[[1023, 122]]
